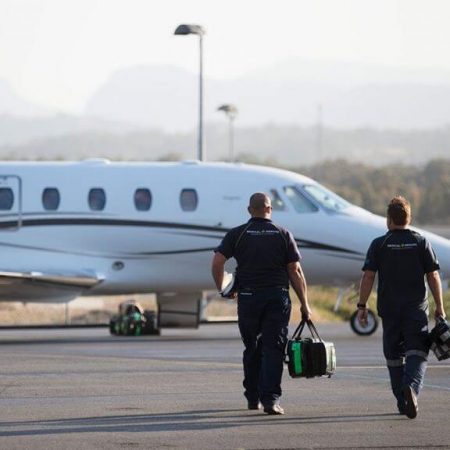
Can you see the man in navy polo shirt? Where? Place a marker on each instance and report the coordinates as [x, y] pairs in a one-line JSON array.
[[402, 258], [267, 259]]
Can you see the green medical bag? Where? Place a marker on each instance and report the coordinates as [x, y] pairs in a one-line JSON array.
[[309, 357]]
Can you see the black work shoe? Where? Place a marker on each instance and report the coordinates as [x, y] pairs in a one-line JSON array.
[[274, 410], [254, 405], [401, 406], [411, 406]]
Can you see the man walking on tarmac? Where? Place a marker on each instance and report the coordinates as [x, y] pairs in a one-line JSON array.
[[402, 259], [267, 259]]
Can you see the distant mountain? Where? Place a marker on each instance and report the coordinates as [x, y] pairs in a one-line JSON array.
[[161, 97], [16, 130], [288, 145], [351, 96], [13, 104], [347, 74], [370, 113]]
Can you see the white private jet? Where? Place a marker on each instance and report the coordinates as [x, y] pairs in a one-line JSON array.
[[97, 228]]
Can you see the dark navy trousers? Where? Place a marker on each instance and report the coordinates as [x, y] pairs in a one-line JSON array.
[[406, 346], [263, 317]]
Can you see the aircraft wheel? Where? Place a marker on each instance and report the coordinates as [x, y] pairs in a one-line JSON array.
[[130, 329], [113, 326], [370, 328], [151, 323]]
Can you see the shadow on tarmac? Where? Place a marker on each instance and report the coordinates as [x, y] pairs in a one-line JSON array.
[[109, 340], [179, 421]]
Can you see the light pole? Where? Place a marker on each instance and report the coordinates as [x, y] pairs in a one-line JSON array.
[[231, 112], [183, 30]]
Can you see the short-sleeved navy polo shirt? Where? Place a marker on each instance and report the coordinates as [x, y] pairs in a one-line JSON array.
[[262, 251], [402, 258]]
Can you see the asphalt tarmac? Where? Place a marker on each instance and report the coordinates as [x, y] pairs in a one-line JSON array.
[[84, 389]]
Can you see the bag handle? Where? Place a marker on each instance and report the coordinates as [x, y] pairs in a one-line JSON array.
[[298, 330], [312, 329]]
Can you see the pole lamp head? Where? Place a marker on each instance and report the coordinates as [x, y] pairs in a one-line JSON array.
[[229, 109], [185, 29]]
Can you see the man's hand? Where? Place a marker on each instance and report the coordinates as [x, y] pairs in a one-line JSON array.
[[362, 316], [232, 295], [306, 312], [439, 313], [365, 288]]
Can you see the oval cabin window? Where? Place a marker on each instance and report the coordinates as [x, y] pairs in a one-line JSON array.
[[97, 199], [188, 199], [6, 199], [142, 199], [50, 199]]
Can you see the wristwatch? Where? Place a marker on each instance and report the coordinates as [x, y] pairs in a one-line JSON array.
[[362, 305]]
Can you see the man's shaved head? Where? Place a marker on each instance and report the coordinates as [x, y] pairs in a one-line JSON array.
[[260, 204]]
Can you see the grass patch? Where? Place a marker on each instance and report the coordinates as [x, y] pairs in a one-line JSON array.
[[446, 299], [99, 309], [323, 299]]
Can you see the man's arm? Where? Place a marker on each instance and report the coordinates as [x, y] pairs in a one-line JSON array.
[[298, 282], [365, 288], [217, 269], [434, 281]]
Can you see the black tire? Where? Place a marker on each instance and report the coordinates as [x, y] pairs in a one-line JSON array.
[[112, 326], [372, 324], [151, 323], [129, 329]]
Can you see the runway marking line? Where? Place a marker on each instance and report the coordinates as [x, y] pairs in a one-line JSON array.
[[239, 366], [386, 380], [193, 362]]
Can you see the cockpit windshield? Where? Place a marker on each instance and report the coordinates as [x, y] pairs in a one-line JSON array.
[[299, 201], [328, 199]]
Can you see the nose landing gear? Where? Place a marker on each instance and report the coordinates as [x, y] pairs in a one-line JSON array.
[[371, 326], [372, 319]]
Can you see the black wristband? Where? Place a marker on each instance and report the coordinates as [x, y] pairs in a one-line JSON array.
[[361, 305]]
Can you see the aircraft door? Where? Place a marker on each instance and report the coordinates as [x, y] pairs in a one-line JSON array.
[[10, 202]]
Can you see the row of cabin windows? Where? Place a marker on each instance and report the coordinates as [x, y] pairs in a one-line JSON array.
[[188, 199], [142, 197]]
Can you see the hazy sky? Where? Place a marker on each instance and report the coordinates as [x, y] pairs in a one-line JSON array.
[[57, 52]]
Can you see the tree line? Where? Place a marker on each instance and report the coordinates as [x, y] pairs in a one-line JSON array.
[[372, 186], [427, 187]]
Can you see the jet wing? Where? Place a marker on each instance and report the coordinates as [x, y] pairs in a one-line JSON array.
[[44, 287]]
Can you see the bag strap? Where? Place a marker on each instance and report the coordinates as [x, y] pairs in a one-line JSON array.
[[312, 329], [297, 334], [299, 329]]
